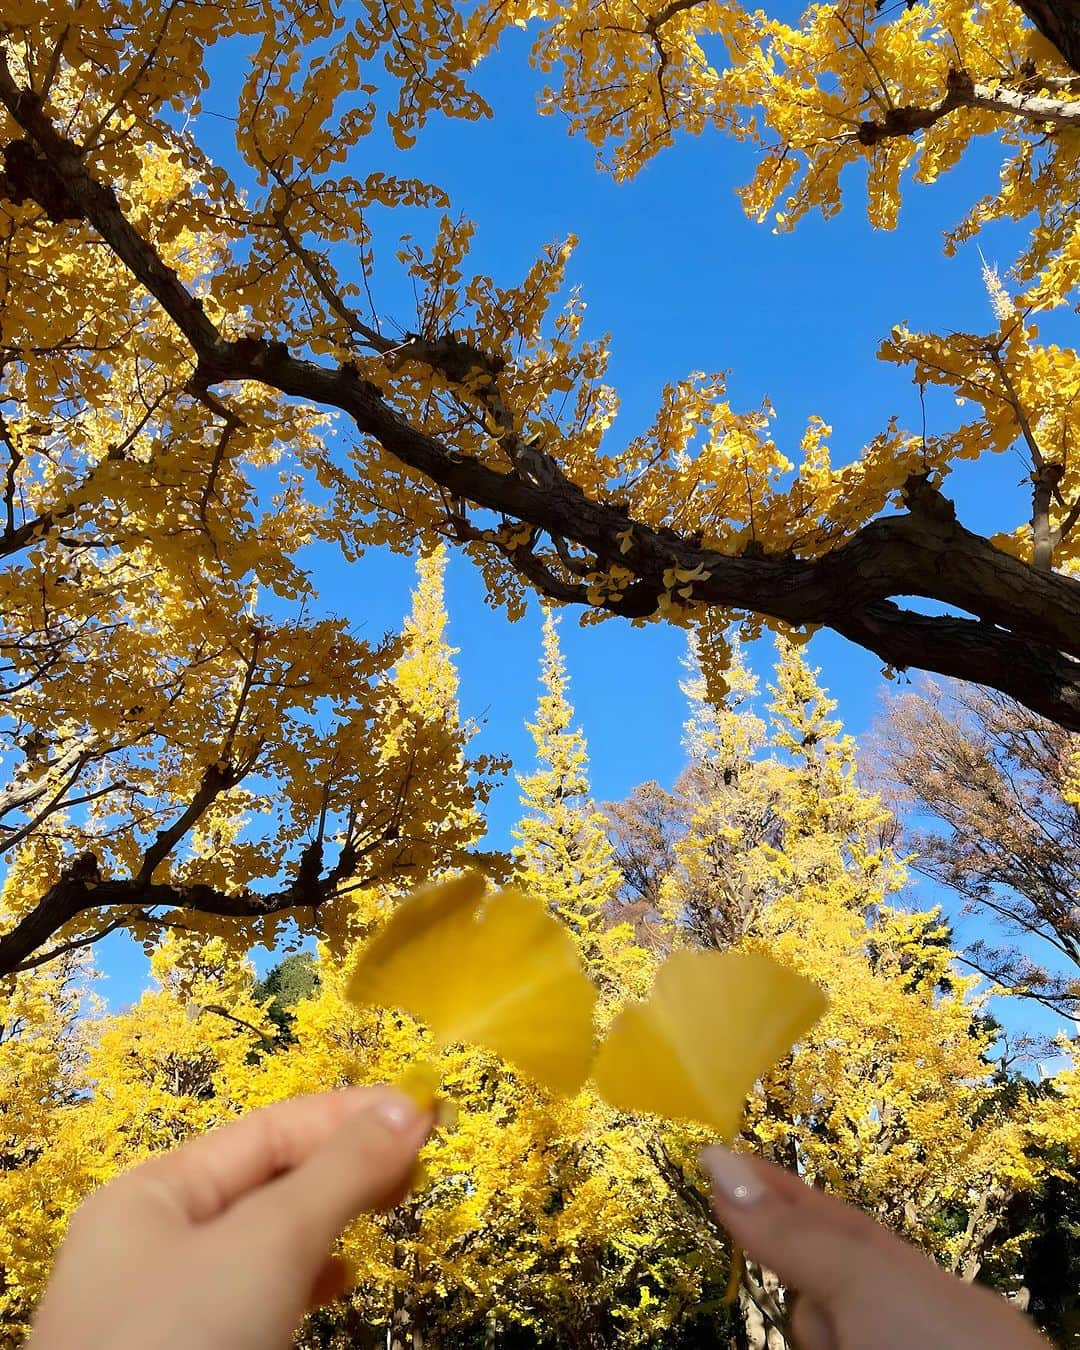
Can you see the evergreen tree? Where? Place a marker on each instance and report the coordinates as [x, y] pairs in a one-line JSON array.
[[564, 855], [285, 984], [431, 791]]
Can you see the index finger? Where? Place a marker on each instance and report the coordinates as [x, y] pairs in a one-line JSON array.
[[365, 1165], [204, 1177]]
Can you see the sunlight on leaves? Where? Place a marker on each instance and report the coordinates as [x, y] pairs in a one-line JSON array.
[[493, 970], [713, 1024]]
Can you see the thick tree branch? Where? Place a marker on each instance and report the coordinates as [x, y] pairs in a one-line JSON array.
[[1059, 22], [963, 92], [1032, 107], [81, 888], [1023, 640], [216, 779], [21, 536]]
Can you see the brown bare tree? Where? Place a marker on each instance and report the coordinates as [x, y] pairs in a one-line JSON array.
[[986, 784]]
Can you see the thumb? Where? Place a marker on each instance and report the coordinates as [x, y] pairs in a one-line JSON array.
[[364, 1165], [859, 1286], [814, 1242]]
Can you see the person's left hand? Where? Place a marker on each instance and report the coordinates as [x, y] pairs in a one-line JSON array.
[[224, 1242]]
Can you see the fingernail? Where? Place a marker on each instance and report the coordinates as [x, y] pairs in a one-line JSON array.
[[732, 1175], [396, 1111]]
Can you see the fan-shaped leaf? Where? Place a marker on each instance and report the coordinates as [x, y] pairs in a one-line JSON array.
[[712, 1025], [493, 970]]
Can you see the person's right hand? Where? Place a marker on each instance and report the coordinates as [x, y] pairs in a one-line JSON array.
[[858, 1286]]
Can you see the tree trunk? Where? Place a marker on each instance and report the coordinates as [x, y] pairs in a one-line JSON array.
[[984, 1217], [753, 1321], [402, 1334], [760, 1289]]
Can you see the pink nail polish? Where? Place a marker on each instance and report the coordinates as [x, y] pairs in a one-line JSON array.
[[396, 1111]]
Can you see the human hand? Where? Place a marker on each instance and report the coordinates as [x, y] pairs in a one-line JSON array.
[[223, 1243], [859, 1287]]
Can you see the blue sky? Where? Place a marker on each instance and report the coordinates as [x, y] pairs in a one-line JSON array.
[[683, 281]]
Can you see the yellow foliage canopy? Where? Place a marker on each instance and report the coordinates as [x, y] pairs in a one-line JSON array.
[[184, 316]]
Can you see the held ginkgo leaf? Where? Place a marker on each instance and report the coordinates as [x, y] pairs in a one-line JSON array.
[[494, 970], [712, 1025]]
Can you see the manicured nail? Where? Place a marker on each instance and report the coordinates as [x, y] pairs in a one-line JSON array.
[[396, 1111], [732, 1175]]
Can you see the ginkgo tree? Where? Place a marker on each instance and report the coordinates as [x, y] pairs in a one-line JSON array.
[[156, 288], [241, 773], [199, 381], [540, 1219]]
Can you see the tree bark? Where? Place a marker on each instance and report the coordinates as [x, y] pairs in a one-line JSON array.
[[1059, 22], [762, 1332], [984, 1217]]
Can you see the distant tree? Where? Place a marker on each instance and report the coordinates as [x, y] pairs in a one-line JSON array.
[[43, 1082], [992, 794], [643, 831], [285, 984], [1035, 1252], [563, 854]]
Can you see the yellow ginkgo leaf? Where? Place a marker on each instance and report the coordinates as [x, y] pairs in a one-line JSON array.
[[712, 1025], [494, 970]]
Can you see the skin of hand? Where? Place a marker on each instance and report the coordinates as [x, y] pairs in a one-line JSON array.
[[858, 1287], [223, 1243]]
